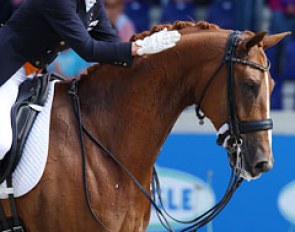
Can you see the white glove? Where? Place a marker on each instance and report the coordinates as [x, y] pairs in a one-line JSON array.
[[157, 42]]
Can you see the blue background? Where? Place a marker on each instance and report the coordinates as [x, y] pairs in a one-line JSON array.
[[254, 207]]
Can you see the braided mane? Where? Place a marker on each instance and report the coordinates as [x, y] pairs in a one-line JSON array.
[[182, 26], [177, 25]]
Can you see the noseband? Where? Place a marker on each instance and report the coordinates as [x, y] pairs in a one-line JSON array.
[[235, 127]]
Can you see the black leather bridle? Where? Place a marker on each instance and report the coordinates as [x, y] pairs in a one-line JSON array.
[[236, 127]]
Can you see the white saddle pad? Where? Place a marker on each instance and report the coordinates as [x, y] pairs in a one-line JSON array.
[[32, 164]]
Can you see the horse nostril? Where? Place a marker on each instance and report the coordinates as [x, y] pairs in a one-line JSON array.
[[262, 166]]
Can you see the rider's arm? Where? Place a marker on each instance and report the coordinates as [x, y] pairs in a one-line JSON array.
[[62, 16]]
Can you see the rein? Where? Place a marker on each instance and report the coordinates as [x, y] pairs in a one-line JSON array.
[[233, 148], [162, 214], [82, 129]]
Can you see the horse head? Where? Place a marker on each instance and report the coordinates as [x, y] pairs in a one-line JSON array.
[[228, 73], [238, 103]]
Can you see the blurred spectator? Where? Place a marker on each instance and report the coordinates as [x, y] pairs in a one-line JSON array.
[[288, 72], [124, 26], [248, 14], [222, 13], [283, 15], [237, 14], [178, 10], [143, 1], [139, 12], [164, 2], [16, 3], [282, 19], [281, 55], [203, 2], [68, 64], [289, 6]]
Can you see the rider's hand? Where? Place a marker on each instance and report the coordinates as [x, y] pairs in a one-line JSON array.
[[157, 42]]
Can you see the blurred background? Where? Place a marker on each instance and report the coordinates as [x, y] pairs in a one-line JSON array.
[[132, 16], [193, 169]]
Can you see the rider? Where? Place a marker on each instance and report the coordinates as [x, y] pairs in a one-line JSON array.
[[40, 29]]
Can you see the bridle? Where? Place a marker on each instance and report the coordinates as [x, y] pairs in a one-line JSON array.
[[235, 127], [234, 132]]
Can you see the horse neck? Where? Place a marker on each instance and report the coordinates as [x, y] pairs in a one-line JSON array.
[[133, 111]]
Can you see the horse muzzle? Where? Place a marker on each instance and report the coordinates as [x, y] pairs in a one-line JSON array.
[[256, 154], [251, 155]]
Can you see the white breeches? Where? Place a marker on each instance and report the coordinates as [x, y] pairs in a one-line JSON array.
[[8, 95]]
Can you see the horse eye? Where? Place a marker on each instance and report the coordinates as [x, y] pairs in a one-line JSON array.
[[250, 88]]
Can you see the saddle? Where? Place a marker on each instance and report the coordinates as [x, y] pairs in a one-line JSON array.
[[30, 101]]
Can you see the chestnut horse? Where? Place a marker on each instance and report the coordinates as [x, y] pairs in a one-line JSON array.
[[132, 111]]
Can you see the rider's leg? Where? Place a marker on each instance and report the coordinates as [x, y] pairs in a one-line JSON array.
[[8, 95]]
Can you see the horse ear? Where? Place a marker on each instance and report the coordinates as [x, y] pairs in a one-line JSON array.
[[248, 43], [272, 40], [255, 40]]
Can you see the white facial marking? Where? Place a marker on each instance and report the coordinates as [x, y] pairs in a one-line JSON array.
[[266, 77], [244, 174]]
